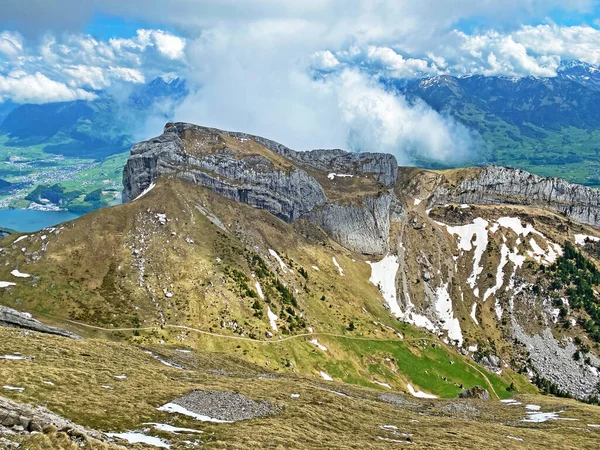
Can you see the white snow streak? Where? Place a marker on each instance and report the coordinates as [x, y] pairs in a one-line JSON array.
[[275, 255], [473, 310], [145, 191], [4, 284], [259, 290], [16, 273], [419, 394], [175, 408], [385, 385], [504, 251], [332, 175], [325, 376], [338, 266], [20, 238], [272, 319]]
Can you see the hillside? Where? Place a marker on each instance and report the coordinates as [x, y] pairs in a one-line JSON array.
[[342, 289]]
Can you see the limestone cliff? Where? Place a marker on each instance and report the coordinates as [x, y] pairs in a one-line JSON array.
[[270, 176]]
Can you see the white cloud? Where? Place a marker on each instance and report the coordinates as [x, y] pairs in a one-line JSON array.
[[397, 65], [11, 43], [269, 90], [383, 121], [324, 60], [169, 45], [38, 88]]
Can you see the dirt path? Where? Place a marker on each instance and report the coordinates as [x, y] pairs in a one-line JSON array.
[[277, 341]]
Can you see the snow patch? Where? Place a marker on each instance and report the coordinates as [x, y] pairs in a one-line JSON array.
[[272, 319], [419, 394], [177, 409], [325, 376], [16, 273], [383, 275], [275, 255], [318, 345], [145, 191], [417, 202], [4, 284], [140, 438], [315, 268], [579, 239], [335, 263], [19, 239], [469, 236], [445, 313]]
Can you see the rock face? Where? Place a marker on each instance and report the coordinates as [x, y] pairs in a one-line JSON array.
[[364, 228], [268, 175], [201, 156], [495, 185], [475, 392], [12, 318]]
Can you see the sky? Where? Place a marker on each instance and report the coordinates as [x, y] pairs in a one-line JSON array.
[[306, 73]]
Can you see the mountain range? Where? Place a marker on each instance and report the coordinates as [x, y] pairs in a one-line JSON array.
[[243, 286], [547, 126]]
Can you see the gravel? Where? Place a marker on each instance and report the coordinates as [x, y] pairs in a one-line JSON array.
[[229, 406]]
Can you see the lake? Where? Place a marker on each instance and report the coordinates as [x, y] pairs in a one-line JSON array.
[[27, 220]]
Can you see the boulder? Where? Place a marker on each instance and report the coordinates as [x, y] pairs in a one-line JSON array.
[[475, 392]]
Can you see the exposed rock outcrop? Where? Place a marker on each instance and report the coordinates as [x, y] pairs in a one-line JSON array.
[[475, 392], [364, 228], [268, 175], [21, 418], [496, 185], [15, 319]]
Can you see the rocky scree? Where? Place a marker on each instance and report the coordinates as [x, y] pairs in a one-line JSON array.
[[228, 406]]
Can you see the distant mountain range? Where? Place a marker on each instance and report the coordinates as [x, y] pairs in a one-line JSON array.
[[548, 126]]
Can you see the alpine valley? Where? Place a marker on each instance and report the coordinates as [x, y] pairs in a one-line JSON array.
[[246, 295]]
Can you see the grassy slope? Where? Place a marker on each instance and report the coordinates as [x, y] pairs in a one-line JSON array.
[[87, 273], [319, 418]]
